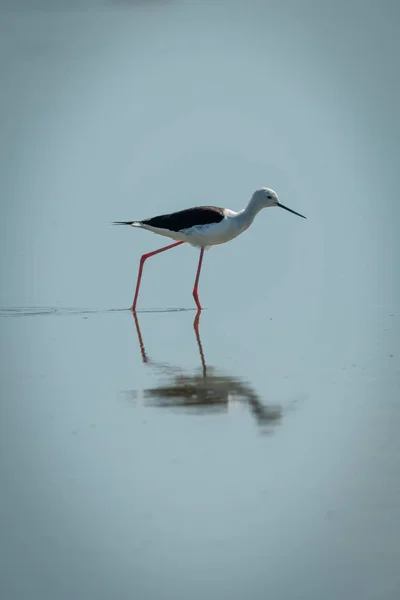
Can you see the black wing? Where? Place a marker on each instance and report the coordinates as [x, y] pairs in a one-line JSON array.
[[183, 219]]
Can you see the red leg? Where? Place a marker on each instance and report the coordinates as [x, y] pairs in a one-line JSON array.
[[196, 283], [142, 261]]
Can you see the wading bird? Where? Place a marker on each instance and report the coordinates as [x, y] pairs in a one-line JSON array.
[[204, 226]]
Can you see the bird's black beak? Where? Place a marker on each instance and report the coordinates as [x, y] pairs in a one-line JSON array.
[[290, 210]]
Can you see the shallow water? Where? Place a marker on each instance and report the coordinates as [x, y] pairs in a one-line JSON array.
[[253, 452], [136, 465]]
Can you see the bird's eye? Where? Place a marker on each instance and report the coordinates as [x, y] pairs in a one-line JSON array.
[[270, 197]]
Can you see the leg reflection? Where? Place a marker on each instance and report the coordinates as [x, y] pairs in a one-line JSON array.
[[139, 334], [196, 323], [145, 357]]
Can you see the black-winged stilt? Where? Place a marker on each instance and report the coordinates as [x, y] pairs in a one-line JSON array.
[[204, 226]]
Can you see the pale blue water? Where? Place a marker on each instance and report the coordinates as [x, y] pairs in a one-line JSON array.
[[259, 459]]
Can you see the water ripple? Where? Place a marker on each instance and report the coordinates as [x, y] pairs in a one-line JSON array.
[[45, 311]]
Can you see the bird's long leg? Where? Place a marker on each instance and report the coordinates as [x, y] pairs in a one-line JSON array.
[[196, 283], [142, 261]]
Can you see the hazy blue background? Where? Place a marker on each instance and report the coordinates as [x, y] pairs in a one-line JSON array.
[[111, 485]]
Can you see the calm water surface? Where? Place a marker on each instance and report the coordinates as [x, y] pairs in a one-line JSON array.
[[253, 453]]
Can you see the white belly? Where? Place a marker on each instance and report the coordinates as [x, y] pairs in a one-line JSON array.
[[212, 234]]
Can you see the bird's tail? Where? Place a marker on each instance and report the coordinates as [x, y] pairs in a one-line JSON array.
[[133, 223]]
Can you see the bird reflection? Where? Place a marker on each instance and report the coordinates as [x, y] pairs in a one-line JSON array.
[[206, 389]]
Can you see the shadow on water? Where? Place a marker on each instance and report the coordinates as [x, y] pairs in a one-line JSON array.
[[205, 390]]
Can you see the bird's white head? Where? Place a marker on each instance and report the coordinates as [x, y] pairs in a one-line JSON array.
[[265, 197]]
